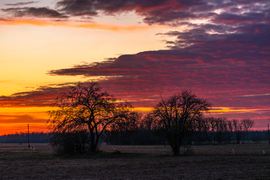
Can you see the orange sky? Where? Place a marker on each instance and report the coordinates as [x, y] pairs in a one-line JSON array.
[[14, 120], [137, 51], [29, 48]]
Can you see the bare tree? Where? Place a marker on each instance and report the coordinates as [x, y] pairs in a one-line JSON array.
[[212, 122], [238, 129], [202, 134], [178, 116], [121, 132], [230, 131], [86, 108], [247, 125], [268, 134], [241, 128]]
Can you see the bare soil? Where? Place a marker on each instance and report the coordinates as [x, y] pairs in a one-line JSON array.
[[147, 162]]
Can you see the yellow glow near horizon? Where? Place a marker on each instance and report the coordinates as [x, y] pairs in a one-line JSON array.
[[27, 109], [231, 109], [39, 116], [142, 109], [101, 26]]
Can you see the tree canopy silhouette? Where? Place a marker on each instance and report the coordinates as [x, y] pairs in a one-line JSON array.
[[178, 116], [86, 109]]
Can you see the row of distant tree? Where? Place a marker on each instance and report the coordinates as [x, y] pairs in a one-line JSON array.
[[210, 131], [87, 116], [146, 136], [34, 137]]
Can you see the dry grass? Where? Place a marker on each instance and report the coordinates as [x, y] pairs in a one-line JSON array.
[[239, 149], [147, 162], [40, 147]]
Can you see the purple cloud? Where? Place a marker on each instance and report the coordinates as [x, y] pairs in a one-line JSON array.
[[171, 12], [35, 12], [229, 62], [21, 3], [225, 59]]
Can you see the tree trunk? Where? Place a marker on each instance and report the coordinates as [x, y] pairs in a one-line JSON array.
[[176, 150], [238, 137], [93, 146], [175, 147]]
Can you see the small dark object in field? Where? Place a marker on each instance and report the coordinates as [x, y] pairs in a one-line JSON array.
[[34, 148], [117, 152]]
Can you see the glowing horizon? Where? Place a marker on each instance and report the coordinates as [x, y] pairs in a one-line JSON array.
[[37, 117]]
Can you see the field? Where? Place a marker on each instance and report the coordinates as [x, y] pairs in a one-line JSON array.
[[138, 162]]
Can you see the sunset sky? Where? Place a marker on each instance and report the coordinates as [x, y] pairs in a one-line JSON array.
[[137, 50]]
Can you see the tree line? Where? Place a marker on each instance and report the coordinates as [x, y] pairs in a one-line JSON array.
[[86, 115], [137, 137], [211, 130], [34, 137]]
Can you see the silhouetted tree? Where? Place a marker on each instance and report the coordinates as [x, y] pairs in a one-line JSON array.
[[247, 125], [256, 137], [221, 129], [123, 132], [230, 131], [148, 122], [238, 129], [178, 116], [85, 108], [268, 133], [148, 131], [70, 142], [241, 128]]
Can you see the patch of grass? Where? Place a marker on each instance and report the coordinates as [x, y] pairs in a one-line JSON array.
[[24, 155], [109, 165]]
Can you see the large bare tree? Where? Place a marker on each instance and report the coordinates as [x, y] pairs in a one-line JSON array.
[[178, 115], [85, 108]]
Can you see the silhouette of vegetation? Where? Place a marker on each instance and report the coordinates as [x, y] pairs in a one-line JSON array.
[[142, 137], [213, 130], [72, 142], [179, 116], [121, 132], [140, 131], [84, 114], [87, 116], [210, 130], [35, 137]]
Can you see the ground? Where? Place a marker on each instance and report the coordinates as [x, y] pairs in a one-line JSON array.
[[138, 162]]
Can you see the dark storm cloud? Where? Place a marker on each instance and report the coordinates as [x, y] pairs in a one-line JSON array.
[[22, 3], [42, 12]]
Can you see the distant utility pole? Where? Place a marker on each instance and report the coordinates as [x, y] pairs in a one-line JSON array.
[[28, 137], [268, 135]]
